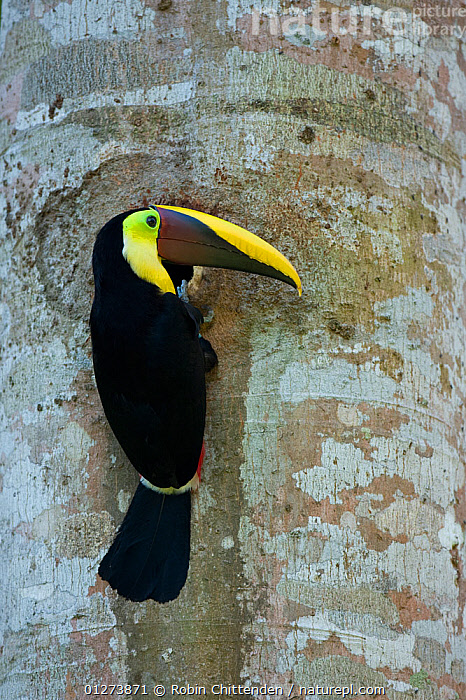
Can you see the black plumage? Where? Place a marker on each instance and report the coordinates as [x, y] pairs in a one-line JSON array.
[[149, 557], [149, 366], [150, 372]]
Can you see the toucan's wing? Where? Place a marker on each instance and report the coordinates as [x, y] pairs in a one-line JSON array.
[[154, 395]]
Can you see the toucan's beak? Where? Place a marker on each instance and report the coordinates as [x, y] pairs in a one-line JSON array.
[[189, 237]]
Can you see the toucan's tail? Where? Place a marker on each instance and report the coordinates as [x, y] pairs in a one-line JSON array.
[[149, 557]]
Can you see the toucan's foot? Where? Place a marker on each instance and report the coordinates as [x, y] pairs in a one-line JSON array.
[[210, 356], [182, 291], [208, 314]]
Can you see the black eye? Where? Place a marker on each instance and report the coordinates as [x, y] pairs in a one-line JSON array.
[[151, 221]]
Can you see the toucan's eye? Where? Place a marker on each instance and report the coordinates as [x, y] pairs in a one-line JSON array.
[[151, 221]]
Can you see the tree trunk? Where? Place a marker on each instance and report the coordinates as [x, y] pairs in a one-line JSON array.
[[328, 529]]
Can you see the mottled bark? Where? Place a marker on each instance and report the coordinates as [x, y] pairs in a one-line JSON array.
[[328, 531]]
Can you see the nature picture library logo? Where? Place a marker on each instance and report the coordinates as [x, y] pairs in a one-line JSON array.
[[313, 24]]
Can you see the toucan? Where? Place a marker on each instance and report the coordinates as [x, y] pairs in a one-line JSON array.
[[149, 364]]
